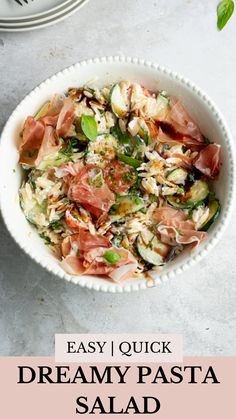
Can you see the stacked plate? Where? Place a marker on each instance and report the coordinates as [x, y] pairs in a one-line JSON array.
[[36, 14]]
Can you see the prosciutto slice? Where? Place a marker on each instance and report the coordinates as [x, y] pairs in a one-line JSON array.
[[125, 271], [55, 105], [33, 133], [164, 214], [53, 110], [83, 242], [171, 140], [65, 118], [184, 161], [175, 228], [182, 232], [208, 161], [39, 141], [83, 254], [60, 115], [40, 137], [179, 119], [69, 170], [72, 265], [89, 189], [50, 145]]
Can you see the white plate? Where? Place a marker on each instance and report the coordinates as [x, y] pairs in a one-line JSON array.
[[42, 18], [45, 20], [110, 70], [10, 10]]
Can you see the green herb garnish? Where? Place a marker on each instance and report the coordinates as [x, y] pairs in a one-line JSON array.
[[89, 127], [191, 177], [138, 200], [143, 210], [46, 239], [190, 213], [70, 148], [116, 241], [180, 190], [165, 147], [127, 177], [65, 201], [225, 10], [153, 198], [114, 208], [150, 242], [55, 225], [207, 141], [28, 153], [145, 134]]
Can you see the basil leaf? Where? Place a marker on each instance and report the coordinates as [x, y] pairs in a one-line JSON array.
[[70, 146], [225, 10], [89, 127]]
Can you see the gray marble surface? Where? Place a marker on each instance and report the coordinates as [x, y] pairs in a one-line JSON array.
[[200, 304]]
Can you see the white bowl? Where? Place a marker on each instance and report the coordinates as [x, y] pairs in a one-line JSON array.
[[107, 70]]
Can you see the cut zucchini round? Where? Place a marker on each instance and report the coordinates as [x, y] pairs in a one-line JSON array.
[[178, 176], [214, 211], [144, 132], [197, 193], [178, 202], [30, 206], [124, 205], [138, 126], [162, 105], [57, 159], [119, 101], [154, 252], [42, 111]]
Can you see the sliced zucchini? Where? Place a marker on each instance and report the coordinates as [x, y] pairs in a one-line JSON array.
[[119, 101], [42, 111], [57, 159], [137, 126], [144, 131], [124, 205], [197, 193], [153, 251], [162, 103], [214, 211], [32, 209], [179, 202], [26, 166], [178, 176]]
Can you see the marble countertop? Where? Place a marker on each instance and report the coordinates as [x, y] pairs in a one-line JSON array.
[[201, 303]]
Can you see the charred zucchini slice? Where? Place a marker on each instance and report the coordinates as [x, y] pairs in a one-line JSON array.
[[214, 211], [152, 251], [196, 194], [178, 176]]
